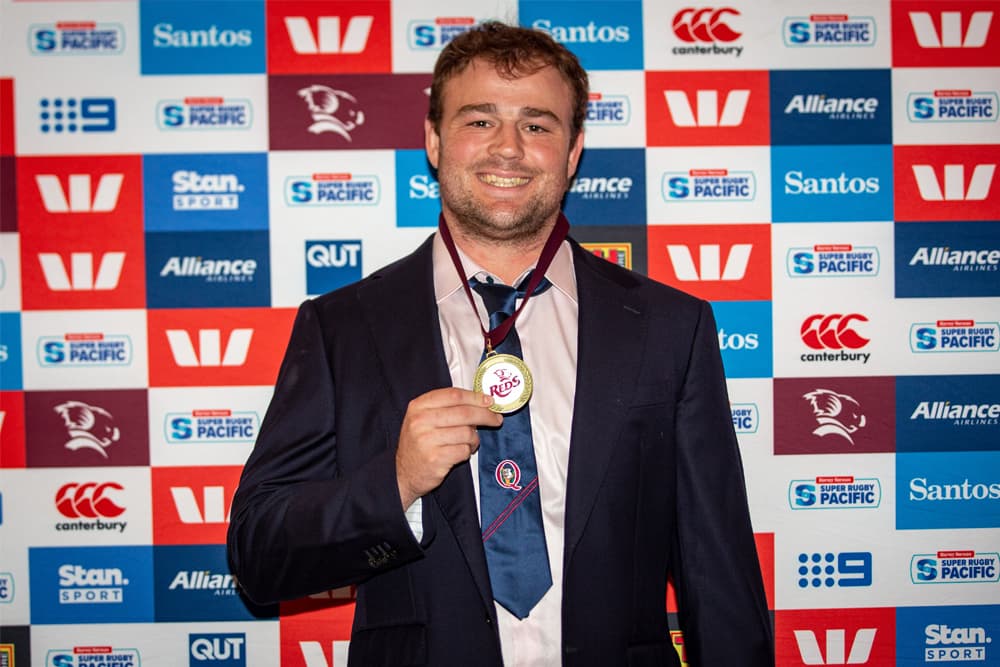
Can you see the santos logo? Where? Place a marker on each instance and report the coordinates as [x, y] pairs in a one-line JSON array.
[[951, 36], [710, 262], [583, 34], [210, 347], [81, 276], [194, 191], [213, 510], [225, 649], [836, 647], [954, 182], [79, 200], [165, 36], [796, 183], [328, 38], [707, 105]]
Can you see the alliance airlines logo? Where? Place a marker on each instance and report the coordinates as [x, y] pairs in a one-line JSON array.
[[959, 259], [707, 108], [831, 107], [961, 335], [333, 189], [714, 262], [955, 566], [952, 106], [204, 113], [333, 37], [76, 38], [829, 30], [963, 34], [947, 413], [434, 34], [832, 260]]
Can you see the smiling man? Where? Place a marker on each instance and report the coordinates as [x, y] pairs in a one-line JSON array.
[[505, 442]]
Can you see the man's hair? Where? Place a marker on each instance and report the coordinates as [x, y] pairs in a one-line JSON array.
[[513, 52]]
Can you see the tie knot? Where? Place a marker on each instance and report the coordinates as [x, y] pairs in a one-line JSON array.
[[499, 298]]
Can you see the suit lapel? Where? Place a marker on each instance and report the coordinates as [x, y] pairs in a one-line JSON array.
[[400, 307], [612, 325]]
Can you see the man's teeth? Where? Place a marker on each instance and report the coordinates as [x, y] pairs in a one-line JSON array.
[[501, 182]]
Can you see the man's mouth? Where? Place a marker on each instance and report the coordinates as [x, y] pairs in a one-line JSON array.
[[503, 181]]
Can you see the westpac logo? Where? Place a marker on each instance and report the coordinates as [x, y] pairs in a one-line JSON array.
[[434, 34], [211, 351], [331, 265], [946, 183], [952, 106], [955, 566], [58, 115], [829, 30], [953, 260], [616, 253], [196, 503], [836, 649], [333, 189], [207, 37], [211, 425], [707, 31], [79, 195], [708, 185], [84, 350], [211, 509], [831, 183], [709, 112], [609, 188], [607, 37], [835, 492], [84, 656], [608, 110], [832, 260], [76, 38], [306, 37], [925, 35], [845, 569], [947, 413], [82, 276], [831, 107], [715, 262], [955, 186], [959, 335], [204, 113], [746, 417], [219, 649]]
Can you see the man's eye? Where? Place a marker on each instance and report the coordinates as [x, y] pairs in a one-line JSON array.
[[480, 123], [536, 129]]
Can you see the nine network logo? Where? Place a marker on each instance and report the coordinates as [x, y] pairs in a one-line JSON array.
[[80, 197]]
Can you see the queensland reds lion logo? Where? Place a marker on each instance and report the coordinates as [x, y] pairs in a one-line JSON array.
[[88, 426], [332, 110], [836, 414]]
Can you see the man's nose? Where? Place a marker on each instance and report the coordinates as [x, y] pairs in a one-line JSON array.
[[507, 142]]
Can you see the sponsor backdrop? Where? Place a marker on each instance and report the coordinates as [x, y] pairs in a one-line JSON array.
[[177, 176]]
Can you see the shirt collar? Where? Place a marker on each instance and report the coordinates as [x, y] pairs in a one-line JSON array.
[[446, 281]]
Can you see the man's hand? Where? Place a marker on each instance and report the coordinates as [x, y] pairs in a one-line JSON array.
[[439, 432]]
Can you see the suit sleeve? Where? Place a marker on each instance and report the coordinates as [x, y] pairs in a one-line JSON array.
[[300, 522], [721, 600]]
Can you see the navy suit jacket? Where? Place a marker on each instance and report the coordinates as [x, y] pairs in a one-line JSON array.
[[654, 486]]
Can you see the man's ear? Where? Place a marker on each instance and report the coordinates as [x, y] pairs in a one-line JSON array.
[[432, 142], [574, 156]]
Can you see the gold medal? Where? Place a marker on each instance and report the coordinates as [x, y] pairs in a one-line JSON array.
[[507, 379]]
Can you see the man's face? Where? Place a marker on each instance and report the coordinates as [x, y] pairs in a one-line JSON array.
[[504, 155]]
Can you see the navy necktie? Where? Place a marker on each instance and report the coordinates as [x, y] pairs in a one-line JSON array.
[[510, 507]]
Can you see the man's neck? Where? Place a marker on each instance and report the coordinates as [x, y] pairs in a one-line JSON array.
[[506, 260]]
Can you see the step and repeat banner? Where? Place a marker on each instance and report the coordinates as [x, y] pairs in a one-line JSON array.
[[177, 176]]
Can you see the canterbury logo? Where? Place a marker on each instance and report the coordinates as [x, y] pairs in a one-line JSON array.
[[705, 25], [81, 276], [710, 262], [81, 197], [706, 112], [836, 647], [328, 39], [954, 182], [213, 509], [87, 501], [951, 30], [209, 347], [833, 332]]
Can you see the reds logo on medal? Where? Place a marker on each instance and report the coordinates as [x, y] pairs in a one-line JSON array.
[[505, 383], [508, 475]]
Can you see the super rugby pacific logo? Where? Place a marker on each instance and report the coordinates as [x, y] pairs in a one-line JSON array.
[[608, 110], [76, 38], [332, 189], [709, 185], [204, 113], [952, 106], [832, 260], [434, 34], [955, 336], [829, 30]]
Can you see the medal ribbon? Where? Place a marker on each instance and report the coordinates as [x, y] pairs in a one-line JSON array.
[[497, 335]]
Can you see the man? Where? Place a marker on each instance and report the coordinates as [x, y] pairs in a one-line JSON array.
[[368, 471]]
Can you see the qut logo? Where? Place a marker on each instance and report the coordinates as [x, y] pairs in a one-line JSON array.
[[836, 647], [226, 649], [328, 38], [705, 112], [210, 348], [80, 197]]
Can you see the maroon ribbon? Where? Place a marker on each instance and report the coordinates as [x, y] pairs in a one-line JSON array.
[[497, 335]]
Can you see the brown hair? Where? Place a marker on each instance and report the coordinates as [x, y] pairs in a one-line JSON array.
[[514, 52]]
